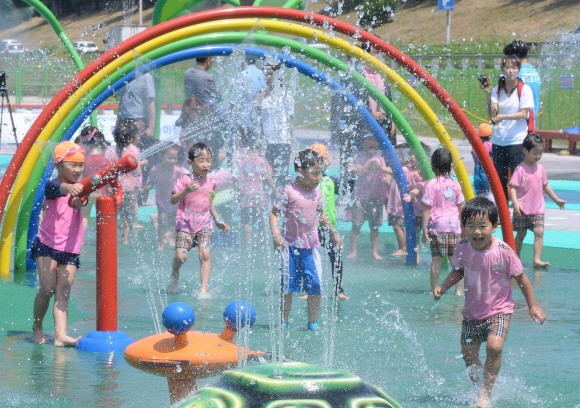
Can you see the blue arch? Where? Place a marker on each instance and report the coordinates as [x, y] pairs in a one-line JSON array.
[[303, 68]]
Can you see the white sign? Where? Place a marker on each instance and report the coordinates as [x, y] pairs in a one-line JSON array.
[[106, 123]]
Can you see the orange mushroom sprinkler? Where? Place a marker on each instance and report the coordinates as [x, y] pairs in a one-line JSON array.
[[183, 356], [107, 338]]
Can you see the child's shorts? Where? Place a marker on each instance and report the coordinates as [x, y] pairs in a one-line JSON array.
[[480, 184], [188, 241], [443, 244], [393, 221], [251, 215], [61, 257], [477, 331], [368, 210], [299, 264], [528, 222]]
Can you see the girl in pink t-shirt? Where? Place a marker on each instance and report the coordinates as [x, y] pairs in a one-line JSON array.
[[164, 176], [254, 181], [125, 137], [58, 244], [193, 192], [442, 204], [527, 187]]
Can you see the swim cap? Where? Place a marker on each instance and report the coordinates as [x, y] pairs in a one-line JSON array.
[[69, 151], [322, 151], [484, 130]]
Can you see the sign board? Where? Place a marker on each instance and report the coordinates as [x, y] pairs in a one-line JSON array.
[[567, 81], [446, 5]]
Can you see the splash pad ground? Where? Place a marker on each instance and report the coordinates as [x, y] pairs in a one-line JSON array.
[[390, 333]]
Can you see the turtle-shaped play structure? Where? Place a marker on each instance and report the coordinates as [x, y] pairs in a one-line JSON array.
[[289, 385]]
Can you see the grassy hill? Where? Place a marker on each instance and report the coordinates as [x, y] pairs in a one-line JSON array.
[[474, 23]]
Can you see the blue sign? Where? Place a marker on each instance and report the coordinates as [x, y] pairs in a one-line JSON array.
[[446, 5]]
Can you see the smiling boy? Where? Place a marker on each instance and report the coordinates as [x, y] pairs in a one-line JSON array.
[[487, 265]]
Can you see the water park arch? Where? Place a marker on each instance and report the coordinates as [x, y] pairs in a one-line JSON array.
[[9, 178]]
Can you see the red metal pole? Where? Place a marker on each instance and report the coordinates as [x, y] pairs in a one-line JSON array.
[[106, 264]]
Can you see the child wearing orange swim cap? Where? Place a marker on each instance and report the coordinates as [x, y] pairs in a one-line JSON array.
[[58, 244]]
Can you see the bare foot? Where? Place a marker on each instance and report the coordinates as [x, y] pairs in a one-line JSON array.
[[352, 255], [159, 248], [204, 295], [125, 240], [66, 341], [173, 288], [459, 292], [540, 264], [342, 296], [38, 335], [303, 297], [483, 400], [377, 257], [137, 226], [399, 252]]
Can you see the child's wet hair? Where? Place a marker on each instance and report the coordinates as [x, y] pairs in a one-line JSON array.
[[441, 162], [479, 207], [307, 159], [97, 139], [178, 149], [124, 135], [197, 149], [532, 140]]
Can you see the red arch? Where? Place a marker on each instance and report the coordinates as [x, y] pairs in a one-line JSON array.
[[264, 12]]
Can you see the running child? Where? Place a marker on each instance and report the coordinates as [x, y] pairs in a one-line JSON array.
[[254, 178], [369, 192], [96, 145], [193, 193], [329, 189], [442, 204], [487, 265], [163, 176], [301, 205], [57, 247], [527, 187], [480, 182]]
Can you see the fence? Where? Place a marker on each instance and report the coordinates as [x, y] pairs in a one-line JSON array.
[[43, 78]]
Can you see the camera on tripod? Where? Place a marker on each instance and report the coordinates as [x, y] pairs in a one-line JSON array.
[[2, 79]]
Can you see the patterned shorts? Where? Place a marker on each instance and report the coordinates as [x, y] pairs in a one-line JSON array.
[[189, 241], [368, 210], [528, 222], [443, 244], [393, 221], [476, 331], [400, 221]]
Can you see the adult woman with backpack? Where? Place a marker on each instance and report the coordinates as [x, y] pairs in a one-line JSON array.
[[511, 111]]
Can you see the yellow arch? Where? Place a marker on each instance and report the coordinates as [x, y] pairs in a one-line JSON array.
[[208, 28]]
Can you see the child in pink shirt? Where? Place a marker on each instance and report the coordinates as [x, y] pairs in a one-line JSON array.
[[163, 176], [487, 266], [442, 203], [370, 190], [125, 137], [58, 244], [301, 205], [527, 187], [194, 192], [254, 178]]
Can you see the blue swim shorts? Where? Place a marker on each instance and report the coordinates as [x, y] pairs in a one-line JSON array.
[[299, 264]]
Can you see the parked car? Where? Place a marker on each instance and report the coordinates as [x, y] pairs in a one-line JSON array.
[[15, 49], [85, 46], [4, 44]]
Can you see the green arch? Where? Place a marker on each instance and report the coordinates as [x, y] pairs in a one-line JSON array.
[[217, 38]]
